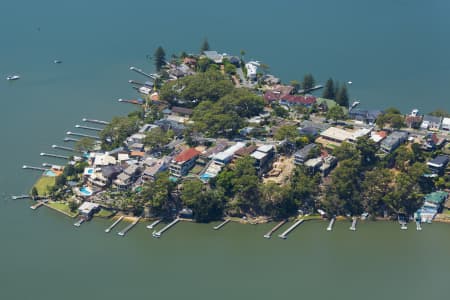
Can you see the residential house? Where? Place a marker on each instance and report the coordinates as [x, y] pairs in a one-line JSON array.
[[293, 100], [182, 111], [413, 121], [123, 181], [334, 136], [302, 155], [432, 205], [329, 162], [393, 141], [183, 162], [313, 165], [147, 128], [252, 69], [136, 147], [214, 56], [109, 173], [309, 131], [446, 124], [167, 124], [431, 123], [366, 116], [88, 209], [151, 172], [102, 159], [224, 157], [438, 164], [136, 138], [263, 156], [246, 151]]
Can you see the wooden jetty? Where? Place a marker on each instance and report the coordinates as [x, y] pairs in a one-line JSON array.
[[126, 229], [353, 227], [82, 135], [132, 101], [88, 128], [24, 196], [37, 205], [114, 224], [151, 226], [221, 224], [95, 121], [275, 228], [157, 234], [34, 168], [330, 225], [139, 71], [63, 148], [54, 155], [147, 83], [79, 222], [284, 234], [67, 139]]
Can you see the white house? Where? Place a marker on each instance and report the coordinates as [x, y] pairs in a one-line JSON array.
[[252, 69]]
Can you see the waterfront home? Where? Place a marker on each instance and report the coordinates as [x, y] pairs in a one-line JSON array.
[[109, 173], [88, 209], [214, 56], [263, 156], [224, 157], [393, 141], [431, 123], [123, 181], [366, 116], [186, 213], [413, 121], [252, 69], [166, 124], [438, 164], [136, 138], [295, 100], [433, 203], [183, 162], [302, 155], [446, 124], [145, 90], [102, 159], [269, 79], [181, 111]]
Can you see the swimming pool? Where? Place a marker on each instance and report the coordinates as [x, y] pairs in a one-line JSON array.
[[85, 191], [88, 171], [50, 173]]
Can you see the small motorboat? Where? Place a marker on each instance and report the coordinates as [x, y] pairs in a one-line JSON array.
[[57, 61], [13, 77], [349, 82]]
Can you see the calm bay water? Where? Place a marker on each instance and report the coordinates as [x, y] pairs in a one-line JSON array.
[[395, 52]]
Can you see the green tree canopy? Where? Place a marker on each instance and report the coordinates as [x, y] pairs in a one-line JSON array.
[[329, 90], [342, 96], [308, 82], [204, 46], [159, 58], [115, 133], [85, 144], [336, 113]]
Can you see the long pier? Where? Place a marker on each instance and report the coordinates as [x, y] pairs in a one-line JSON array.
[[63, 148], [126, 229], [136, 102], [353, 227], [114, 224], [284, 234], [95, 121], [88, 128], [37, 205], [54, 155], [68, 139], [139, 71], [221, 224], [151, 226], [157, 234], [34, 168], [20, 197], [330, 225], [82, 135], [271, 231]]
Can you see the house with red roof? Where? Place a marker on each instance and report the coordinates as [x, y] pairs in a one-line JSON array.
[[183, 162], [292, 100]]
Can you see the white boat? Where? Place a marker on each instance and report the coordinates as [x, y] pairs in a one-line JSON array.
[[13, 77], [355, 103], [349, 82]]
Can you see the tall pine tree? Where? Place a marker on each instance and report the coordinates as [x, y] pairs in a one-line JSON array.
[[160, 58], [342, 96], [329, 91], [205, 46]]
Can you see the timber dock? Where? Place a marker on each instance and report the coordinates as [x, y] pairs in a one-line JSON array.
[[67, 139], [37, 205], [82, 135], [284, 234], [63, 148], [20, 197], [151, 226], [88, 128], [54, 155], [133, 101], [126, 229], [221, 224], [95, 121], [330, 225], [139, 71], [34, 168], [157, 234], [79, 222], [114, 224], [271, 231], [353, 227]]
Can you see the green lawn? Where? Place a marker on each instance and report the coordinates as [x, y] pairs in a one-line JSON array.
[[446, 212], [63, 207], [43, 183], [103, 213]]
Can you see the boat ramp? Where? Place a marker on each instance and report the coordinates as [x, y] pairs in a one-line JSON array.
[[353, 227], [128, 228], [330, 225], [114, 224], [79, 222], [284, 234], [158, 234], [37, 205], [221, 224], [271, 231]]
